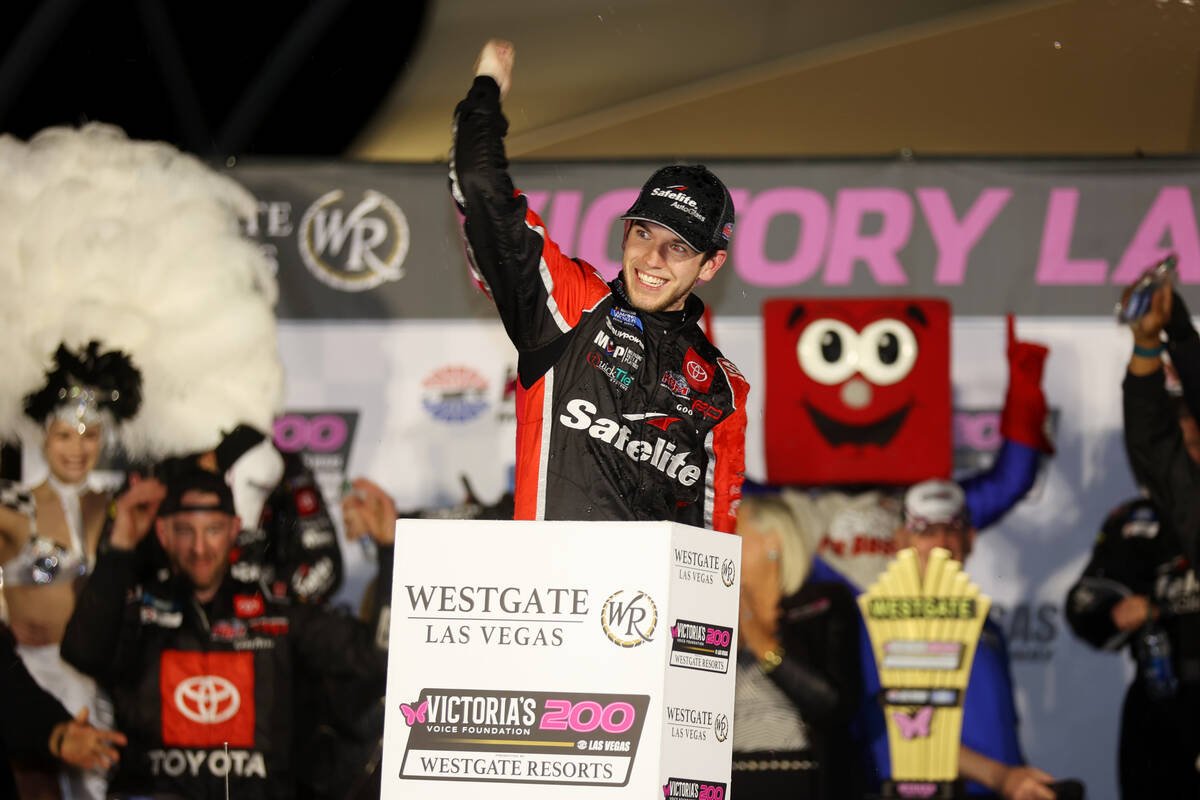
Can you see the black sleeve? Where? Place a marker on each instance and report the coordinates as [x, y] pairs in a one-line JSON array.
[[1183, 343], [29, 712], [98, 637], [301, 541], [1116, 570], [822, 675], [331, 644], [538, 291], [1159, 458]]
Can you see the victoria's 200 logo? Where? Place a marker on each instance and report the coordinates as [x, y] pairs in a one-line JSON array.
[[356, 249], [629, 618]]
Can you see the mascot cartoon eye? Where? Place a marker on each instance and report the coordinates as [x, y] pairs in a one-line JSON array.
[[828, 351], [887, 350]]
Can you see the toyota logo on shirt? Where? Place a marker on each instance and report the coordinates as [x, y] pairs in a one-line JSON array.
[[697, 371], [207, 699]]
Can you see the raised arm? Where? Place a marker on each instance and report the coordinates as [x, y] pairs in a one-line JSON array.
[[539, 292]]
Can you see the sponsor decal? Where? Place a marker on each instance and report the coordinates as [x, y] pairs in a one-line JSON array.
[[313, 578], [699, 645], [1032, 628], [217, 763], [498, 616], [248, 605], [695, 724], [354, 248], [455, 394], [721, 727], [659, 453], [626, 318], [728, 572], [655, 419], [270, 626], [228, 630], [697, 372], [618, 351], [246, 571], [323, 439], [629, 618], [696, 567], [689, 789], [621, 333], [508, 736], [315, 537], [207, 698], [727, 231], [616, 375], [730, 368], [163, 613], [307, 503], [676, 384]]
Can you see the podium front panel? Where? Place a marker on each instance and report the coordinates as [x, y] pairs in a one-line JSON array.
[[560, 659]]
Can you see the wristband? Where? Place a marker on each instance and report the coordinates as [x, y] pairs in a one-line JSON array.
[[771, 659], [1147, 352]]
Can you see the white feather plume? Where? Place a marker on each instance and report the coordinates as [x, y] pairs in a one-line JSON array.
[[137, 245]]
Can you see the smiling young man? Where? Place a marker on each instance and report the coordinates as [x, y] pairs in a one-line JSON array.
[[625, 409]]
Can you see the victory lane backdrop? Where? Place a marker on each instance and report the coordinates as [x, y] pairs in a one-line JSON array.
[[378, 318]]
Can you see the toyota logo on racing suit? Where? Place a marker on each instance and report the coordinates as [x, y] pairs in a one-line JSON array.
[[207, 699], [697, 372]]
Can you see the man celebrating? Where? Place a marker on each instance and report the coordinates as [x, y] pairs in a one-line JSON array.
[[625, 410], [202, 667]]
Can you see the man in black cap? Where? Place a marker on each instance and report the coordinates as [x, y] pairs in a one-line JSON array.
[[626, 411], [203, 667]]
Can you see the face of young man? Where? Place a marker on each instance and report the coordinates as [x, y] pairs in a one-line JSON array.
[[71, 455], [660, 269], [957, 539], [198, 542]]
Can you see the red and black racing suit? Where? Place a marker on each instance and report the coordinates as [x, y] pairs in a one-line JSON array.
[[205, 690], [621, 414]]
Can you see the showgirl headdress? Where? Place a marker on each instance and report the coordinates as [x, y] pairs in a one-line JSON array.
[[120, 259]]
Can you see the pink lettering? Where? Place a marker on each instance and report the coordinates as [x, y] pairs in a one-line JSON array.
[[1173, 214], [597, 227], [1055, 266], [877, 251], [954, 238], [563, 217], [750, 237], [536, 201]]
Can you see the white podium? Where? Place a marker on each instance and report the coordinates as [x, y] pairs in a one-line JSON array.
[[561, 660]]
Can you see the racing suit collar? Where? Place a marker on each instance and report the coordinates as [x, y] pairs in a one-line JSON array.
[[669, 321]]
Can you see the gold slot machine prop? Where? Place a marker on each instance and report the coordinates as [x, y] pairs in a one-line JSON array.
[[923, 633]]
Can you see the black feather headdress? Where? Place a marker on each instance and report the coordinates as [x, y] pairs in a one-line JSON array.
[[86, 386]]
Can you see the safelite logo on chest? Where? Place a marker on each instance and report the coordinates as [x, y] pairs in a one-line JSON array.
[[660, 453]]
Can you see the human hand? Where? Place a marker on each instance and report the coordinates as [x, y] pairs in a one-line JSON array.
[[82, 745], [1131, 612], [1026, 783], [135, 511], [369, 511], [496, 61], [1147, 327]]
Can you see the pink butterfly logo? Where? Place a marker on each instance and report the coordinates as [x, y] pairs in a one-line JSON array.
[[915, 726], [674, 631], [411, 715], [666, 790]]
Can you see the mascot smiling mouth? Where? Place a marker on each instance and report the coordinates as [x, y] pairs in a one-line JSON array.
[[838, 433]]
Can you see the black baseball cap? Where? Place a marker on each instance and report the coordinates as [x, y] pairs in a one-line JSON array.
[[689, 201], [192, 478]]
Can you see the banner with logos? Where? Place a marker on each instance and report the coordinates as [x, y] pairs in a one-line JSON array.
[[434, 402], [559, 659], [1053, 237]]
